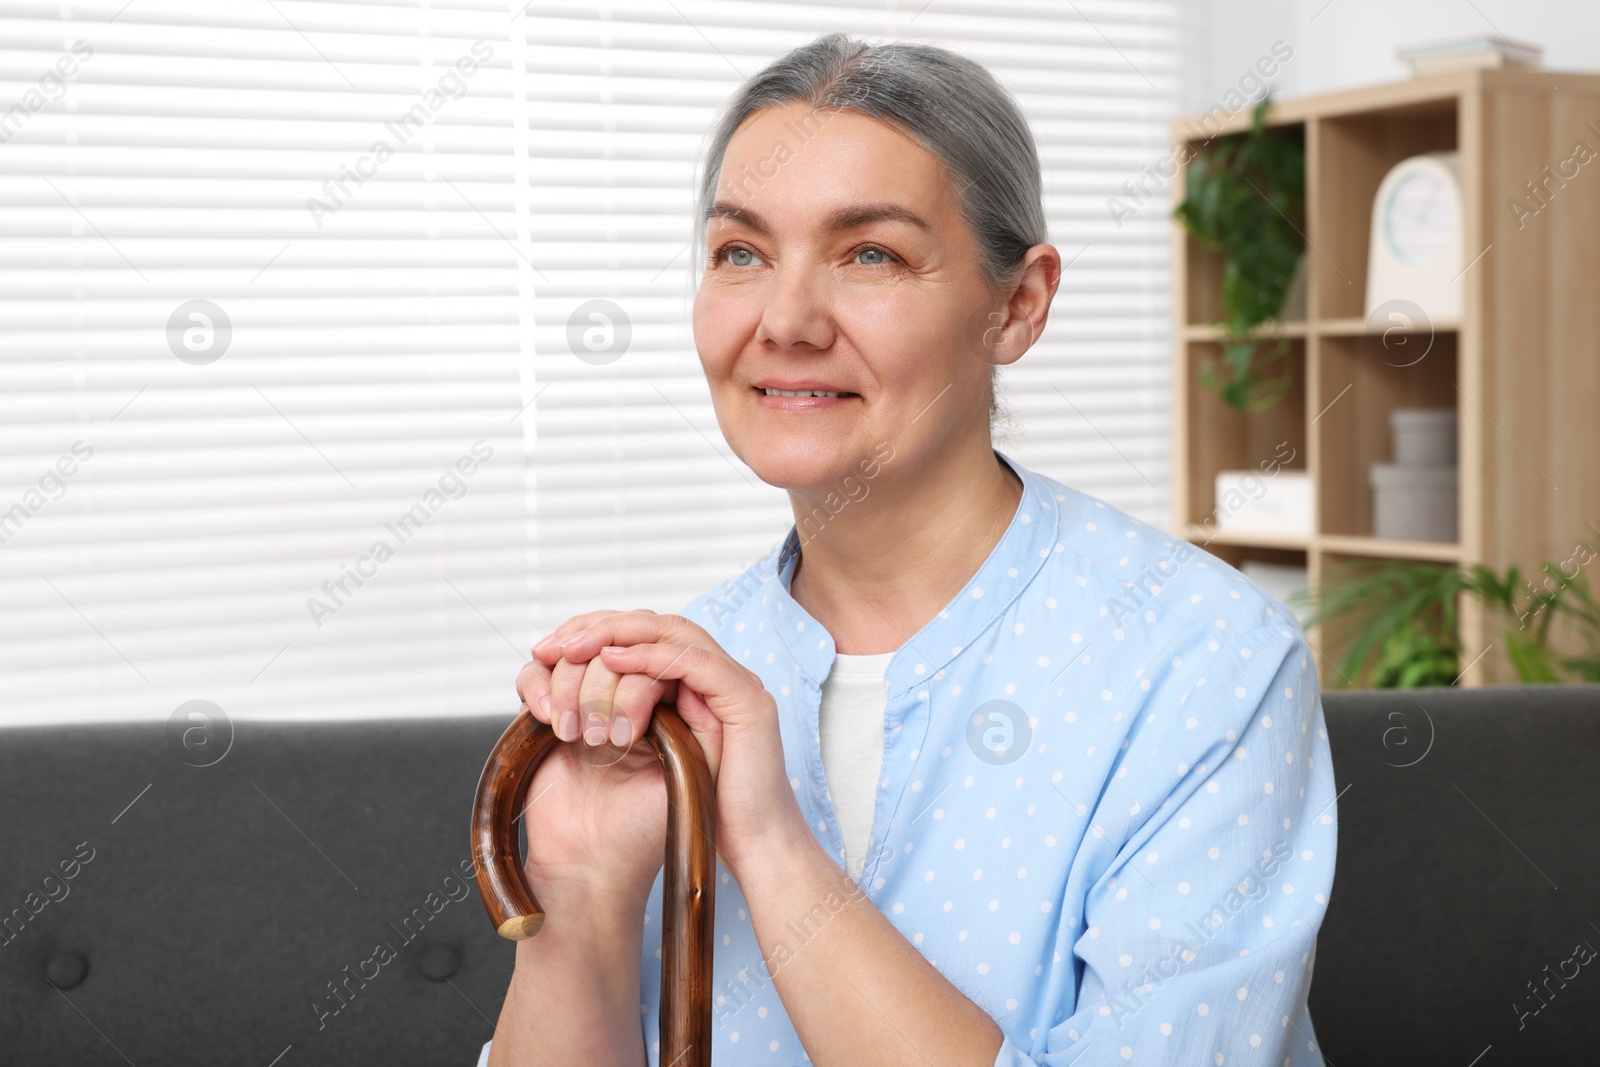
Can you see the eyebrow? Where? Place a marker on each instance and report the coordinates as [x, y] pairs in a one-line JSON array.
[[848, 218]]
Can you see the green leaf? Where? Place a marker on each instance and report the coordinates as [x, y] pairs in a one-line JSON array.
[[1244, 197], [1406, 612]]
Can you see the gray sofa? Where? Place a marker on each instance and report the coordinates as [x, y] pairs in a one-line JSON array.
[[303, 899]]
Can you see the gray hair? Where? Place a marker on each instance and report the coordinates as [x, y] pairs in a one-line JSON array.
[[951, 104]]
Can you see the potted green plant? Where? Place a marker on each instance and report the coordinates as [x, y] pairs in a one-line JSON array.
[[1244, 197], [1404, 615], [1528, 622], [1403, 611]]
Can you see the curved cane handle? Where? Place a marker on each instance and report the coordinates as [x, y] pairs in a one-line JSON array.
[[690, 865]]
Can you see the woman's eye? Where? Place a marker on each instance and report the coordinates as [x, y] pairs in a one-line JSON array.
[[729, 252], [740, 256]]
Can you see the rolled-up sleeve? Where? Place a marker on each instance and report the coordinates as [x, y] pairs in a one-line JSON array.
[[1197, 939], [483, 1057]]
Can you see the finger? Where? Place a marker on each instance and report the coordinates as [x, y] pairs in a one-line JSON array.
[[597, 702], [533, 688], [717, 678], [658, 625], [636, 699], [565, 680], [632, 627], [692, 706], [577, 622], [545, 649]]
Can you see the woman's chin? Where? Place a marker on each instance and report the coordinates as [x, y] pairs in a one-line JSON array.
[[794, 466]]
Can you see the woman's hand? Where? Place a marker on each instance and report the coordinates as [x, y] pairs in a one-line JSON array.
[[617, 665], [579, 698], [596, 816]]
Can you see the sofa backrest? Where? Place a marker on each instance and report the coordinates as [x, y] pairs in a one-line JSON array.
[[1467, 876], [306, 895], [306, 889]]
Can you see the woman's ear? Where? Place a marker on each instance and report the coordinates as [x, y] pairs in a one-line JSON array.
[[1028, 309]]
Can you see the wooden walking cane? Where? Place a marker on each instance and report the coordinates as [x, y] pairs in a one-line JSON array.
[[688, 896]]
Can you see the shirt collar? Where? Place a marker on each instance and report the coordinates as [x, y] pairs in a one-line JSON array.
[[1022, 550]]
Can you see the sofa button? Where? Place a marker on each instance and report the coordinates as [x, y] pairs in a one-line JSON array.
[[439, 962], [66, 969]]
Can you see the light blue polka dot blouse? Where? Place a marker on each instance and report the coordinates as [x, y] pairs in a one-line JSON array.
[[1106, 811]]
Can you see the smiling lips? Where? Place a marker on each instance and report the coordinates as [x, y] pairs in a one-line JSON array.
[[801, 401], [800, 395]]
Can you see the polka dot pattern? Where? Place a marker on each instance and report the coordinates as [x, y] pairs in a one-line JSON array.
[[1146, 796]]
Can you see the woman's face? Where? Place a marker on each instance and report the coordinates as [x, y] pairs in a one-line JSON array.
[[838, 260]]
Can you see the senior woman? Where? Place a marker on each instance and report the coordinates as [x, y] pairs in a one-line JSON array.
[[1003, 775]]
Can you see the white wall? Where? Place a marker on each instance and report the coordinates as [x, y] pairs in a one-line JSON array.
[[1340, 44], [1352, 42], [1224, 39]]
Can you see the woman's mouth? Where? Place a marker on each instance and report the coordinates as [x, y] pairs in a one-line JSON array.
[[800, 399]]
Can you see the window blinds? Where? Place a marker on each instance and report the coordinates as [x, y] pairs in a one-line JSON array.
[[296, 291], [261, 288]]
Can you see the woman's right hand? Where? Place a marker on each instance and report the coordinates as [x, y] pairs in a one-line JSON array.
[[595, 814]]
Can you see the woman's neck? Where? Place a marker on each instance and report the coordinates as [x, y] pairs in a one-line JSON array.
[[877, 571]]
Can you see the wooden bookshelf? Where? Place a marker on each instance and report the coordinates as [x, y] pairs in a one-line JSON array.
[[1521, 367]]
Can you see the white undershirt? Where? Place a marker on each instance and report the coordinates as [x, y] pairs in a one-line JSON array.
[[850, 724]]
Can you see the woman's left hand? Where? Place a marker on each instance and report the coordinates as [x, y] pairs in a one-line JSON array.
[[722, 702]]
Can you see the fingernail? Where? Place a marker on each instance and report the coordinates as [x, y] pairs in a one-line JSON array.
[[573, 637], [544, 706], [543, 641], [621, 729], [595, 732], [569, 726]]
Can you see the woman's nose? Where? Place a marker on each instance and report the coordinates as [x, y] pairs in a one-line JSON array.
[[795, 310]]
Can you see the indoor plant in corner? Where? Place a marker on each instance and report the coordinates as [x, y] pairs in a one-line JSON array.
[[1245, 197], [1403, 614]]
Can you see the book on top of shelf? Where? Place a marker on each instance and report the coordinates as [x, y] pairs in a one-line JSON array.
[[1466, 53]]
